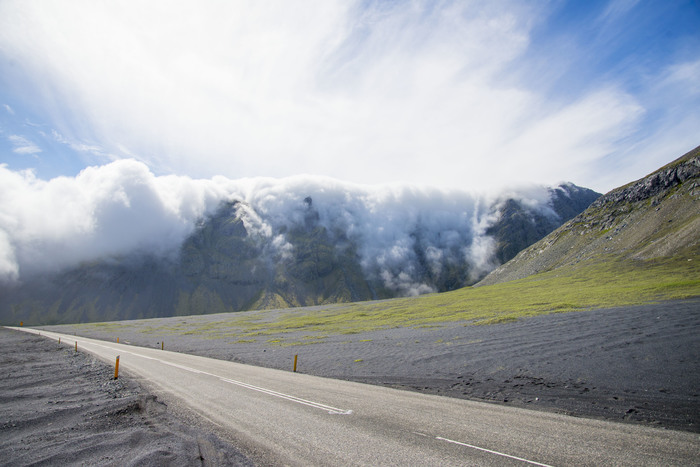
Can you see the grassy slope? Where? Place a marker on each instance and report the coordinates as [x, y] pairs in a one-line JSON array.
[[598, 284]]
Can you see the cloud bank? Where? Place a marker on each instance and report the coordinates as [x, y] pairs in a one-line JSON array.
[[111, 211], [103, 212]]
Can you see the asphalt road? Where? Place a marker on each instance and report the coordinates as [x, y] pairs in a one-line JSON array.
[[286, 418]]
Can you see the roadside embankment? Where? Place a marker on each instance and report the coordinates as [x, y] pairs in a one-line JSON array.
[[62, 407]]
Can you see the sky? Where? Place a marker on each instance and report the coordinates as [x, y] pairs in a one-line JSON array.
[[126, 120], [460, 94]]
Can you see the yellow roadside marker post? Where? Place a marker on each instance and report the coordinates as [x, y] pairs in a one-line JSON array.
[[116, 368], [295, 363], [76, 346]]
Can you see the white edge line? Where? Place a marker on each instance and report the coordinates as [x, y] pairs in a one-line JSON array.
[[331, 410], [491, 452]]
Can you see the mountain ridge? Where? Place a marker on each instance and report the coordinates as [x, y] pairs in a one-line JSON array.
[[653, 218]]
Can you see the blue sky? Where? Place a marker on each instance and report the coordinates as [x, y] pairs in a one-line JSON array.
[[470, 95]]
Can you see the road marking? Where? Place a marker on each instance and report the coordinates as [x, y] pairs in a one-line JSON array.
[[330, 409], [491, 451]]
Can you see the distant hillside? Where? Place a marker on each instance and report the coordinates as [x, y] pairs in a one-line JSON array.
[[324, 247], [655, 218]]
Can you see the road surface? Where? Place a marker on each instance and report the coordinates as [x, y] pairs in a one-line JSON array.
[[286, 418]]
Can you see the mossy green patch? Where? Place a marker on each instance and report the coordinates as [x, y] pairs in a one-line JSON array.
[[595, 284]]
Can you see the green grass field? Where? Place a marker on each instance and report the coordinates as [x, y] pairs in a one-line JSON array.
[[587, 286]]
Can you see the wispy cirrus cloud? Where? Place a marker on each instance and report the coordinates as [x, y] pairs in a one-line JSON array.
[[22, 145], [439, 93], [96, 151]]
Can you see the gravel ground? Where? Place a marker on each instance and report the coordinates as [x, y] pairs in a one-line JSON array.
[[61, 407]]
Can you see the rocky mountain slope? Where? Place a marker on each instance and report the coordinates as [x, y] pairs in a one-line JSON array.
[[323, 249], [652, 219]]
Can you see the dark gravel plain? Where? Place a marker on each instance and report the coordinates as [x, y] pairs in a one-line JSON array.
[[638, 364], [61, 407]]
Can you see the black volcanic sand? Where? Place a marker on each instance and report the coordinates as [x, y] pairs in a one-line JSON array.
[[61, 407], [637, 364]]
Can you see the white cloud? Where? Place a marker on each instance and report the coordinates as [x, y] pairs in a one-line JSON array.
[[617, 9], [571, 139], [366, 92], [96, 151], [104, 211], [673, 95], [9, 269], [684, 74], [22, 145], [9, 109], [122, 207]]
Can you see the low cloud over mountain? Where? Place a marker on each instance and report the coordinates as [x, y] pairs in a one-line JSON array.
[[293, 241]]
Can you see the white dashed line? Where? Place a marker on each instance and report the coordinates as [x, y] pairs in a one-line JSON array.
[[491, 451]]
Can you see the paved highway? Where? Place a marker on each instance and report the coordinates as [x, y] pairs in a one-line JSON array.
[[286, 418]]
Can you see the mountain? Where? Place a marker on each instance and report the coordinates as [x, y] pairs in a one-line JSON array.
[[656, 218], [518, 227], [286, 249]]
